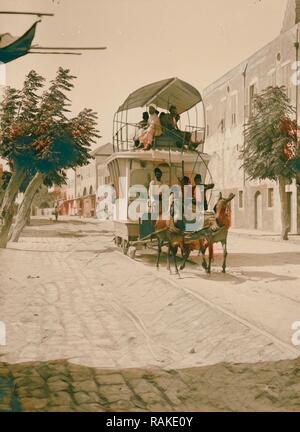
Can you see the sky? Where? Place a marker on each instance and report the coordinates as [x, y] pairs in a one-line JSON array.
[[195, 40]]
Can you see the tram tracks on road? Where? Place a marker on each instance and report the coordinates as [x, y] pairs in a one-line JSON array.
[[244, 322]]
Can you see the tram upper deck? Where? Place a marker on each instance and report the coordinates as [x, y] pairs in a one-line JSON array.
[[172, 92]]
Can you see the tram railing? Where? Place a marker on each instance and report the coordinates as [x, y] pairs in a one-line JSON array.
[[171, 140]]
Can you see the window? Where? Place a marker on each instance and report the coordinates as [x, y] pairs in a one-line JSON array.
[[222, 114], [241, 199], [270, 197], [222, 125], [233, 119], [286, 78], [272, 77], [207, 130], [233, 110], [252, 91]]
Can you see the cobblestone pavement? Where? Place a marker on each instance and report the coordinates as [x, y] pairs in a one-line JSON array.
[[102, 332], [62, 386]]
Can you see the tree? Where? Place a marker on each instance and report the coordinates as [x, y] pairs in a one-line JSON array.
[[38, 138], [270, 137], [58, 178]]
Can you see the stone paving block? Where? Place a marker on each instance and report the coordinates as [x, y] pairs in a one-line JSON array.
[[84, 386], [33, 404], [24, 392], [143, 387], [121, 405], [60, 408], [31, 382], [110, 379], [151, 398], [91, 407], [114, 393], [37, 393], [60, 398], [84, 398], [159, 407], [79, 373], [58, 385]]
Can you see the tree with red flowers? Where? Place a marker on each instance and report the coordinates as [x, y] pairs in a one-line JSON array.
[[271, 142], [39, 138]]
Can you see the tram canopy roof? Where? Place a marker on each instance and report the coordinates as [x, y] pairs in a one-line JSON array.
[[163, 94]]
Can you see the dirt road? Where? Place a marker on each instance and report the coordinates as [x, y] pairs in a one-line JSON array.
[[67, 293]]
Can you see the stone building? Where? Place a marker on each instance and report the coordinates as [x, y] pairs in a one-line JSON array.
[[228, 103], [78, 196]]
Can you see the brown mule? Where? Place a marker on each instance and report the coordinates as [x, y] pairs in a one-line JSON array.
[[223, 220]]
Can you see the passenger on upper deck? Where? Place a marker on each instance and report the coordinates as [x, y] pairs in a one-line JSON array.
[[140, 128], [172, 118], [170, 121], [153, 129], [143, 123]]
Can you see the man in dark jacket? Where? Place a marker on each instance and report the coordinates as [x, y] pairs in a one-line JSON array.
[[198, 182]]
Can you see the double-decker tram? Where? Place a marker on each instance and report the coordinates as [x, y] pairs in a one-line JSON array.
[[158, 139]]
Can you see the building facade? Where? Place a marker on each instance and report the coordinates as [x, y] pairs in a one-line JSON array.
[[78, 197], [228, 104]]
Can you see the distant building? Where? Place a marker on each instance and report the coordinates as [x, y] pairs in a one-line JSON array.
[[228, 103], [78, 197]]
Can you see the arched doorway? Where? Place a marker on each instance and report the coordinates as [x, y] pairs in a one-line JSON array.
[[258, 211]]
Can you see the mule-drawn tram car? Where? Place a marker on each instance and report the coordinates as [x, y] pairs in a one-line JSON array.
[[176, 152]]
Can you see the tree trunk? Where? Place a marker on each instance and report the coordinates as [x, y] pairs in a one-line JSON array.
[[284, 209], [6, 211], [28, 217], [25, 206], [12, 191], [6, 225]]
